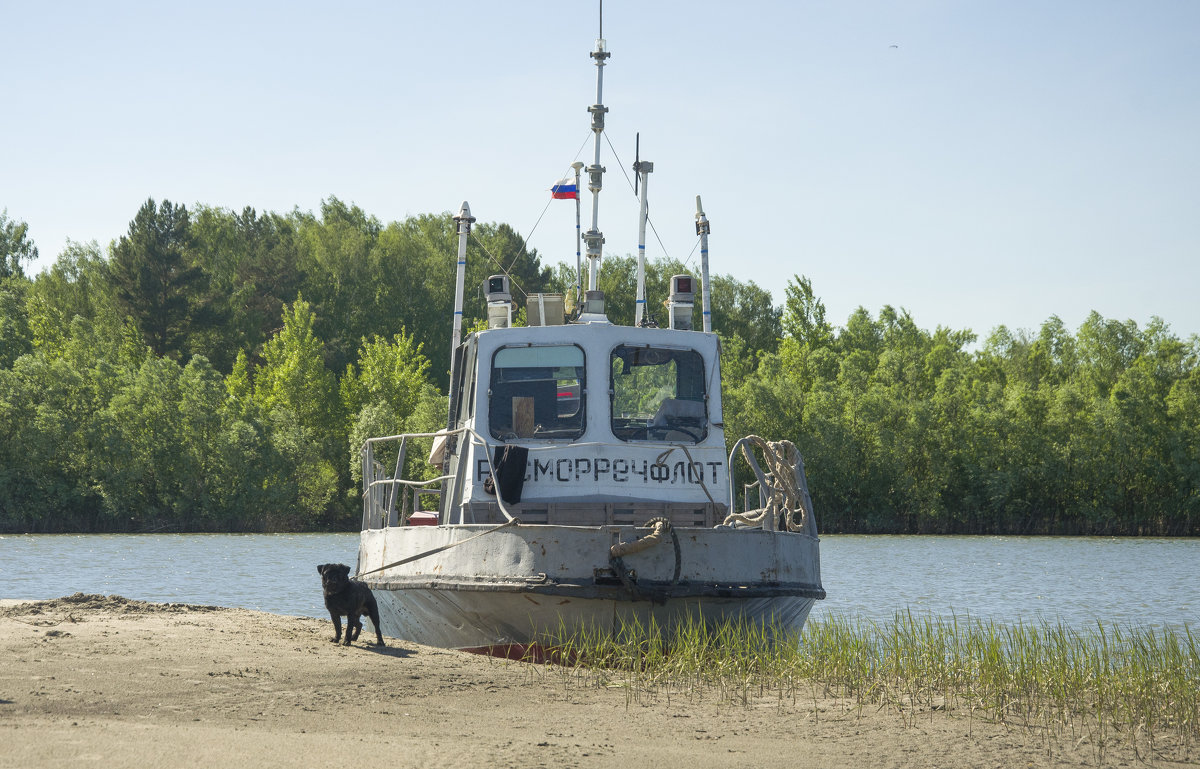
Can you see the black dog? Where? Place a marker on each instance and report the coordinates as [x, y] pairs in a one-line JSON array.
[[349, 597]]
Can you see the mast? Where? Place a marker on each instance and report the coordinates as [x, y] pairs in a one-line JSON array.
[[464, 220], [702, 230], [593, 237], [643, 169]]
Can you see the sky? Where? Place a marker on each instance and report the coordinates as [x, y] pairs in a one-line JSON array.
[[976, 162]]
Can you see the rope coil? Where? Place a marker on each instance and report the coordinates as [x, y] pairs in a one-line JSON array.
[[785, 506]]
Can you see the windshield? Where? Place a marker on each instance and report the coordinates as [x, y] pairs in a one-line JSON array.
[[536, 392], [658, 394]]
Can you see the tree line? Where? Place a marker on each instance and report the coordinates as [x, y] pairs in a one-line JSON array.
[[213, 370], [1053, 432]]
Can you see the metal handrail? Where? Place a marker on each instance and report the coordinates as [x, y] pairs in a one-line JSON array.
[[371, 482], [382, 495], [402, 482]]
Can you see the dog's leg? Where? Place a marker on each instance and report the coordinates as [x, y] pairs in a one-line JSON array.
[[373, 611], [353, 627], [337, 627]]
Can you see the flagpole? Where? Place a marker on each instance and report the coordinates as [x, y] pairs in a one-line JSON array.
[[578, 258]]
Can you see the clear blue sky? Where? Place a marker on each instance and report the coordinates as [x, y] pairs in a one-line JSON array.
[[980, 162]]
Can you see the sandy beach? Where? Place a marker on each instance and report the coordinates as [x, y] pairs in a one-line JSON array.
[[104, 681]]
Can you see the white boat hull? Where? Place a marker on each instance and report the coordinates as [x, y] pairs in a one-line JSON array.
[[523, 585]]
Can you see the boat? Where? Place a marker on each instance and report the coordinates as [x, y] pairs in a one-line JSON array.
[[583, 482]]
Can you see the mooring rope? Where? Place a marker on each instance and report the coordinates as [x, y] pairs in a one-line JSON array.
[[661, 526]]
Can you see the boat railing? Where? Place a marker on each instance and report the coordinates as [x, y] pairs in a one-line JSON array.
[[781, 490], [390, 499]]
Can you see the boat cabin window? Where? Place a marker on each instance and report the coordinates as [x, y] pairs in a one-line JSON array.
[[537, 392], [658, 394]]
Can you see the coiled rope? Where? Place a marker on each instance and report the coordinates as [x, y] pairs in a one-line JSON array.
[[785, 504]]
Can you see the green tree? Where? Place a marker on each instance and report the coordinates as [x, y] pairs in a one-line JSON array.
[[298, 398], [239, 386], [15, 246], [804, 314], [156, 283], [1105, 349], [336, 254], [140, 462], [1183, 408], [15, 337], [308, 487], [745, 310], [293, 375], [252, 267], [389, 392], [77, 284], [394, 372]]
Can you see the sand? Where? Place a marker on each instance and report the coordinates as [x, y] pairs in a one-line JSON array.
[[105, 681]]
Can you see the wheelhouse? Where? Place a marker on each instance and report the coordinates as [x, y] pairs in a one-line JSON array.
[[605, 424]]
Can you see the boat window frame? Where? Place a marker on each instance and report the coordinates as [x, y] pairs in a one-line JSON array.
[[557, 435], [695, 426], [462, 406]]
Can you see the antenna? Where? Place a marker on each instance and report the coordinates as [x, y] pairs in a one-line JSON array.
[[637, 159]]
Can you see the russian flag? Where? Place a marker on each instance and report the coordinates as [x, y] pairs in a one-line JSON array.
[[564, 189]]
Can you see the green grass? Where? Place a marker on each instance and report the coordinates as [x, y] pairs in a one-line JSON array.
[[1133, 684]]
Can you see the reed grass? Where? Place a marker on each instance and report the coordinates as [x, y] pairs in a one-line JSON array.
[[1139, 685]]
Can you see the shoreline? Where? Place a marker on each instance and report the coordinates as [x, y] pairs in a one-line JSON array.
[[109, 681]]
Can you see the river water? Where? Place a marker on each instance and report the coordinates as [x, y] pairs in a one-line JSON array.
[[1075, 580]]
